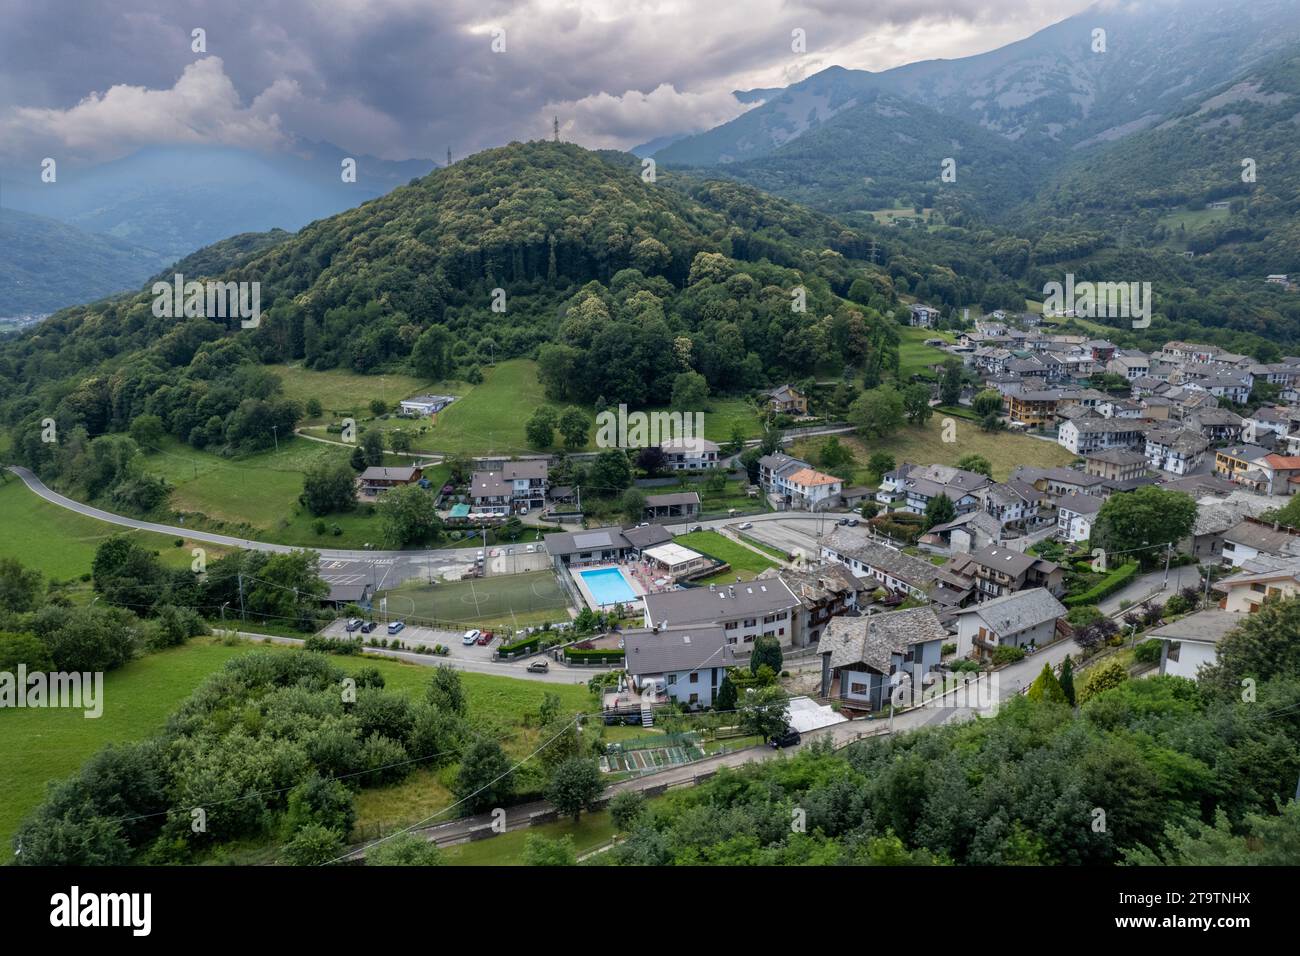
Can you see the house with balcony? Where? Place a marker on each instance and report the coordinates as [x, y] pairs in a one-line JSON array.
[[1032, 617], [1075, 517], [1251, 539], [1115, 464], [745, 610], [690, 454], [683, 664], [826, 591], [518, 487], [1234, 461], [877, 564], [1216, 424], [380, 478], [865, 658], [787, 400], [1085, 435], [912, 487], [995, 572], [922, 316], [1058, 482], [1175, 450], [1015, 505]]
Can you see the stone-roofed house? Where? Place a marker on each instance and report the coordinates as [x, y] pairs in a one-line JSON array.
[[1115, 464], [912, 487], [882, 565], [1075, 516], [824, 592], [995, 572], [1015, 620], [862, 655]]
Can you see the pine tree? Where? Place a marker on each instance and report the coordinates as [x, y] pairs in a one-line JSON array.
[[1067, 679], [1047, 687], [726, 699]]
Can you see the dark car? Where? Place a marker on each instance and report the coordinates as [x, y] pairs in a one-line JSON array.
[[367, 627], [788, 739]]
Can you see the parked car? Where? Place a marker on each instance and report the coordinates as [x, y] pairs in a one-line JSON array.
[[485, 639], [367, 627], [353, 624], [471, 636], [531, 548], [746, 525], [396, 626], [842, 522], [853, 522], [539, 667], [698, 527], [788, 739]]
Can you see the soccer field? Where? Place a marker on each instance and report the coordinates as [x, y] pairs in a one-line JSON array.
[[507, 600]]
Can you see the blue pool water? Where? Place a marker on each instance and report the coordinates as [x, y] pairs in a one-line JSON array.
[[608, 586]]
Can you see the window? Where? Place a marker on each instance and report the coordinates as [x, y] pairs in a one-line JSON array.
[[695, 677], [859, 689], [1174, 648], [672, 679]]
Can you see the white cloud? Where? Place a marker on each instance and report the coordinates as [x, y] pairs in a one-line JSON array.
[[202, 107], [623, 121]]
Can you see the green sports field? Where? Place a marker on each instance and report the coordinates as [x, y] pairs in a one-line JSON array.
[[507, 600]]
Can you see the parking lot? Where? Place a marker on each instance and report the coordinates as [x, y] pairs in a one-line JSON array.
[[414, 635]]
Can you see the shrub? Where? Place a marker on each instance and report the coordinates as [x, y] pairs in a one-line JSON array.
[[1008, 654], [1148, 652], [1107, 586], [1102, 678]]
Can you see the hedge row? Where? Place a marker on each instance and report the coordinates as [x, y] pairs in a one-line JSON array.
[[601, 654], [1105, 587], [525, 644]]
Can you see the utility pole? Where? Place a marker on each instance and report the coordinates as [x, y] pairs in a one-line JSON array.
[[448, 155], [1169, 552], [242, 616], [275, 433]]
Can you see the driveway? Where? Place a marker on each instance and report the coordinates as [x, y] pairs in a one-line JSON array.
[[1152, 585]]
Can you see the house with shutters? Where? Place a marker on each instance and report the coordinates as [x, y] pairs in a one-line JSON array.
[[864, 658], [1030, 618]]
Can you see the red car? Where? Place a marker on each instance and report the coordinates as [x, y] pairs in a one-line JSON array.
[[485, 639]]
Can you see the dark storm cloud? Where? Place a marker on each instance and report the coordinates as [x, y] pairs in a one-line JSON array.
[[402, 78]]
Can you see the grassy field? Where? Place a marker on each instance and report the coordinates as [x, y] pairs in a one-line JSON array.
[[489, 418], [40, 746], [508, 600], [61, 543], [899, 212], [1189, 221], [744, 563], [924, 446], [257, 495], [914, 355], [347, 394]]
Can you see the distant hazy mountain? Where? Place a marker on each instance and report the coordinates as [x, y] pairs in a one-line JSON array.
[[1050, 91], [46, 265], [177, 199]]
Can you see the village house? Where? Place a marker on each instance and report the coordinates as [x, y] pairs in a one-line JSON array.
[[379, 478], [1216, 424], [684, 664], [517, 488], [1093, 434], [1246, 591], [865, 658], [1252, 538], [995, 572], [1191, 642], [1058, 482], [1174, 450], [744, 610], [1129, 365], [965, 533], [1014, 504], [1233, 462], [824, 592], [1075, 516], [1028, 618], [793, 483], [912, 487], [1217, 515], [787, 400], [922, 316], [1115, 464], [689, 454], [882, 565]]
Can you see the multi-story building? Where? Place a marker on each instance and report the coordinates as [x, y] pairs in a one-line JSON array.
[[995, 572], [518, 487], [880, 564], [744, 610]]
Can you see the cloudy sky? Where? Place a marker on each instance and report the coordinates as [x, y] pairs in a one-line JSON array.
[[410, 78]]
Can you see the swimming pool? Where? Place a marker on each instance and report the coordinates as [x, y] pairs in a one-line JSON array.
[[608, 586]]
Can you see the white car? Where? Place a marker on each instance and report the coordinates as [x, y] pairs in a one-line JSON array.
[[531, 548], [746, 526], [471, 636]]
